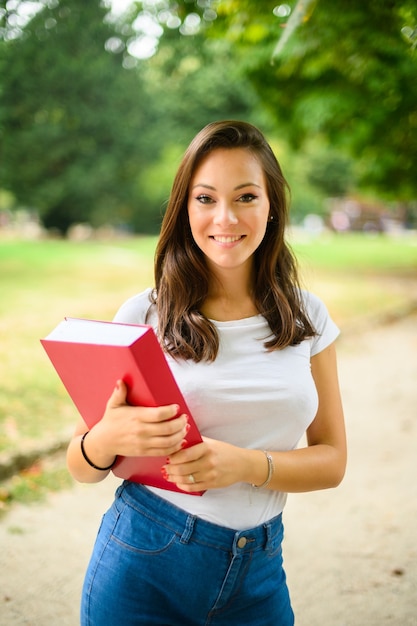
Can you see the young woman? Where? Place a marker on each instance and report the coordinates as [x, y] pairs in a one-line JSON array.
[[254, 357]]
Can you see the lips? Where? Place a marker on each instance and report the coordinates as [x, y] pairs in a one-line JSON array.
[[227, 238]]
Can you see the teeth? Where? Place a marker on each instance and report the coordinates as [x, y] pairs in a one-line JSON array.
[[226, 239]]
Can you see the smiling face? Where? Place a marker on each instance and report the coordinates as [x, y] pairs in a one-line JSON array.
[[228, 208]]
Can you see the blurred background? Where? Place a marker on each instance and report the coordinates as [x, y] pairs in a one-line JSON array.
[[98, 101]]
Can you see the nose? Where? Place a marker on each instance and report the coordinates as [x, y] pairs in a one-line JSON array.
[[224, 215]]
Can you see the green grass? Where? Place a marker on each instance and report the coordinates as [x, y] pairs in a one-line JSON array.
[[359, 277], [34, 484], [41, 283], [357, 253]]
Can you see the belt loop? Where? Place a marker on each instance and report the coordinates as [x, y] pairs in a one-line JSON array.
[[188, 530], [268, 536]]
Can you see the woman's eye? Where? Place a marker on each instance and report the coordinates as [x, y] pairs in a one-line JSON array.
[[203, 199], [247, 197]]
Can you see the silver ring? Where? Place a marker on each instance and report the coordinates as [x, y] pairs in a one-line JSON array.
[[192, 479]]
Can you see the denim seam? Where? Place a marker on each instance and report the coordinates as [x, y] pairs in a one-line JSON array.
[[98, 560]]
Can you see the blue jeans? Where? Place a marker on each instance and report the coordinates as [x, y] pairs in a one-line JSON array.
[[154, 563]]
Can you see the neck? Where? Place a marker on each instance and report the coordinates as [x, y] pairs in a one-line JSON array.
[[230, 298]]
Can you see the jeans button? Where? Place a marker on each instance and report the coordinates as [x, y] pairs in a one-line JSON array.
[[242, 541]]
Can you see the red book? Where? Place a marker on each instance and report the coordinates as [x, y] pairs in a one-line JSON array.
[[90, 356]]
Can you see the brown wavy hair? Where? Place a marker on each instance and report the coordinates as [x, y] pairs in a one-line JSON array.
[[181, 273]]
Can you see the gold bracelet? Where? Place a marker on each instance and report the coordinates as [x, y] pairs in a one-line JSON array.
[[270, 472]]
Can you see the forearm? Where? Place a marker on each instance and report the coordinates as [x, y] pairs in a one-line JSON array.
[[129, 431], [321, 465], [79, 467], [215, 464], [312, 468]]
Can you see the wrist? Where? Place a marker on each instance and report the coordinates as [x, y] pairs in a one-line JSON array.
[[94, 455], [264, 472]]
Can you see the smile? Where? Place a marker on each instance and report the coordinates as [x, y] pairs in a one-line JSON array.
[[227, 238]]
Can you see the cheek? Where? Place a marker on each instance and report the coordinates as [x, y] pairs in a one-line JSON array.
[[197, 231], [261, 224], [198, 222]]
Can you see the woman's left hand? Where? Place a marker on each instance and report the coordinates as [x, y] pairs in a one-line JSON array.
[[208, 465]]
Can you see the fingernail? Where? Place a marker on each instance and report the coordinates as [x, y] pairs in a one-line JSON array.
[[184, 443], [187, 427], [164, 473], [168, 460]]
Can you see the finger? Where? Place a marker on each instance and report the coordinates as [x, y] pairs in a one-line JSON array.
[[149, 414], [189, 482], [161, 414], [190, 487], [188, 454], [185, 473], [118, 397], [162, 451], [167, 445], [175, 429]]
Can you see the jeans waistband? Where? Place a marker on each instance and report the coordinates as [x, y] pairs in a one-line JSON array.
[[188, 527]]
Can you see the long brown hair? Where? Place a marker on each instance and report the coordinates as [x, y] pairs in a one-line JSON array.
[[181, 273]]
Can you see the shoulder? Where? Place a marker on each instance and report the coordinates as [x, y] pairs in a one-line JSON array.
[[313, 305], [135, 309], [327, 330]]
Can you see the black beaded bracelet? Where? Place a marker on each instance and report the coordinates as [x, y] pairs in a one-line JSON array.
[[102, 469]]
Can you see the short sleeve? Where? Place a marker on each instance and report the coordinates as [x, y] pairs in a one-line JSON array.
[[327, 330], [134, 310]]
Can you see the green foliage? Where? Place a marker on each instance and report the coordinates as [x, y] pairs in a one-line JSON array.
[[346, 73], [82, 138], [69, 118], [305, 198], [331, 172], [190, 82]]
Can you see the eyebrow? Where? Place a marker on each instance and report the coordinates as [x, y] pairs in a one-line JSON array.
[[235, 189]]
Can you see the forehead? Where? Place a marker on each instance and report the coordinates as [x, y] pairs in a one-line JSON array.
[[223, 163]]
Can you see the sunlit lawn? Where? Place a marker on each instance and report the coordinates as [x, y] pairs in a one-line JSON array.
[[360, 277], [42, 282]]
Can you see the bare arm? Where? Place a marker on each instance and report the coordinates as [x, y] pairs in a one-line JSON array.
[[320, 465], [125, 430]]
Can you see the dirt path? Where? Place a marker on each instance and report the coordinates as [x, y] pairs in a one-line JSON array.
[[351, 553]]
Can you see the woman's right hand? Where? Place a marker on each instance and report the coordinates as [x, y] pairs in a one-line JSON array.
[[139, 431], [125, 430]]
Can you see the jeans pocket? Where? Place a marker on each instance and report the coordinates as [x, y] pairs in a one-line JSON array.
[[138, 533]]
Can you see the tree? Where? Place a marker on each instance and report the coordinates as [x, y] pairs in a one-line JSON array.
[[346, 75], [71, 119], [82, 138], [190, 83]]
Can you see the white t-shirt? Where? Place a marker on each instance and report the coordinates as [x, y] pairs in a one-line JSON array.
[[248, 397]]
